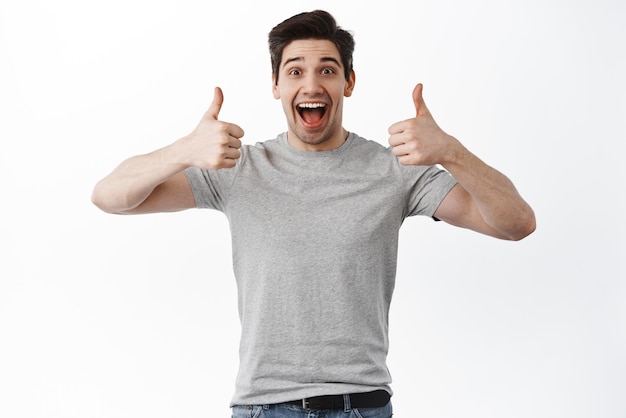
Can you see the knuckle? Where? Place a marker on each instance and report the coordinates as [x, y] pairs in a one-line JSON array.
[[221, 128], [221, 140], [215, 162]]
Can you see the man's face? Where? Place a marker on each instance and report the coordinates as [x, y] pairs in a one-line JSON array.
[[311, 86]]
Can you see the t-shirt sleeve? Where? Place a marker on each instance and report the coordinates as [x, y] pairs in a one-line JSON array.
[[211, 188], [426, 188]]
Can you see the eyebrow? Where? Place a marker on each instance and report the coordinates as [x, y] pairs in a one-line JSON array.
[[323, 59]]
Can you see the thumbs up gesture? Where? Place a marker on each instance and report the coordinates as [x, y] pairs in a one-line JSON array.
[[419, 140], [213, 144]]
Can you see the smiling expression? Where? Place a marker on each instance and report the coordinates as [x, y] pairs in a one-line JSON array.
[[311, 86]]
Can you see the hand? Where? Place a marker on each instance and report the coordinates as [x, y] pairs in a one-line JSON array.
[[213, 144], [419, 140]]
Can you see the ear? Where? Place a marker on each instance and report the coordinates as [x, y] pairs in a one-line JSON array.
[[275, 91], [347, 91]]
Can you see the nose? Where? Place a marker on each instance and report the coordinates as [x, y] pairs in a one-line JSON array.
[[311, 84]]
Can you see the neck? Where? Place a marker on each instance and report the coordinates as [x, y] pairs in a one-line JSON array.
[[331, 143]]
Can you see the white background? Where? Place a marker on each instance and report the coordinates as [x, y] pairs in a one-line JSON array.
[[110, 316]]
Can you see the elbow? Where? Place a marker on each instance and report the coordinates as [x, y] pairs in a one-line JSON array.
[[525, 226], [98, 199], [102, 199]]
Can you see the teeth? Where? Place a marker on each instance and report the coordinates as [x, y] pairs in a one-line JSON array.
[[311, 105]]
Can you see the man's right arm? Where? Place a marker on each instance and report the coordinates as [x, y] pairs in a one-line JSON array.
[[155, 182]]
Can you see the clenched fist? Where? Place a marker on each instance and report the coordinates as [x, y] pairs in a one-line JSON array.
[[213, 144], [419, 140]]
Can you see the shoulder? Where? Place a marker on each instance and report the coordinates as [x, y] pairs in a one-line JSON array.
[[358, 142], [262, 147], [378, 154], [369, 150]]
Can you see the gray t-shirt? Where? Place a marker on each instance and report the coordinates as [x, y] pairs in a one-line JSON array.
[[314, 241]]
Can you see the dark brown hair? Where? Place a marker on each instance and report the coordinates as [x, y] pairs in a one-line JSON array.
[[317, 24]]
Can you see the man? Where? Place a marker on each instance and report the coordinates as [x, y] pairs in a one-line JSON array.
[[314, 217]]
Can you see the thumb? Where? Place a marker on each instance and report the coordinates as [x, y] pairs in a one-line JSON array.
[[216, 105], [418, 100]]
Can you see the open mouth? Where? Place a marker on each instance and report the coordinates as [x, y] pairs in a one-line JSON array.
[[312, 114]]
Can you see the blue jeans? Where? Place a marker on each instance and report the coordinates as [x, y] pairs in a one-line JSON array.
[[294, 411]]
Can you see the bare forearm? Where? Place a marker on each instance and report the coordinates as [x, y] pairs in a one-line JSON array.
[[133, 180], [154, 182], [494, 195], [485, 200]]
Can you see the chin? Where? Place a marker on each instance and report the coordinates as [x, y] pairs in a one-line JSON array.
[[312, 139]]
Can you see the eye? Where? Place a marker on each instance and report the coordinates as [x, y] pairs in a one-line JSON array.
[[327, 71], [294, 71]]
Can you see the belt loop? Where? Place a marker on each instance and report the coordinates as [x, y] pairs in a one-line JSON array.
[[346, 403]]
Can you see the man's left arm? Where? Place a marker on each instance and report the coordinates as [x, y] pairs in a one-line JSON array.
[[484, 200]]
